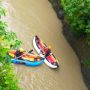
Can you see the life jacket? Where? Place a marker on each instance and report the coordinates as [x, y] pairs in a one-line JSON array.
[[18, 53]]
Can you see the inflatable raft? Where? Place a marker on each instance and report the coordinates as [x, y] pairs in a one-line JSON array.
[[41, 48], [27, 62], [26, 56], [26, 59]]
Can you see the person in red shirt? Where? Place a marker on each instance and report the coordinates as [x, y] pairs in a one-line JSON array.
[[48, 51]]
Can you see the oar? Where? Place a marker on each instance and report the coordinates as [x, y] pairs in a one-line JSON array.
[[18, 57], [22, 54], [30, 51]]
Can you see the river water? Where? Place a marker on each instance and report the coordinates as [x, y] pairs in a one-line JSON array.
[[28, 18]]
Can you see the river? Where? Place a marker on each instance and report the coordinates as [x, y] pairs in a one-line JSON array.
[[28, 18]]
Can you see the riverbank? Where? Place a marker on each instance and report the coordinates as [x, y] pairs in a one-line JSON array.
[[79, 45], [8, 81]]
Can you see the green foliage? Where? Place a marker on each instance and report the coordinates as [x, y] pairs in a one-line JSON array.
[[86, 62], [7, 78], [3, 26], [8, 40], [2, 11], [78, 16]]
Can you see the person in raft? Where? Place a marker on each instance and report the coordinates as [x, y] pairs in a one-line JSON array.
[[19, 53], [48, 51]]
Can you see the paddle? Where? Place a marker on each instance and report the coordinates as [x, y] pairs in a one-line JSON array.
[[22, 54], [30, 51], [18, 57]]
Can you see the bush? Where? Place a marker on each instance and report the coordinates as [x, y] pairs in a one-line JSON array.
[[7, 40], [7, 78], [86, 62], [77, 13]]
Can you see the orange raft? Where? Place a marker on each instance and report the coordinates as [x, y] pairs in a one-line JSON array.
[[25, 56]]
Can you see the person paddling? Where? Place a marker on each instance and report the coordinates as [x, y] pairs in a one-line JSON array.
[[48, 51], [19, 53]]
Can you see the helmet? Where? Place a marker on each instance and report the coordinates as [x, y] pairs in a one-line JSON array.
[[21, 50], [49, 47]]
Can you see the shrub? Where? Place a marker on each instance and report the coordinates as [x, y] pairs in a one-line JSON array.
[[86, 62], [7, 40], [77, 13]]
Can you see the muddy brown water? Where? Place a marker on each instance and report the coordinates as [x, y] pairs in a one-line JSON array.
[[28, 18]]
